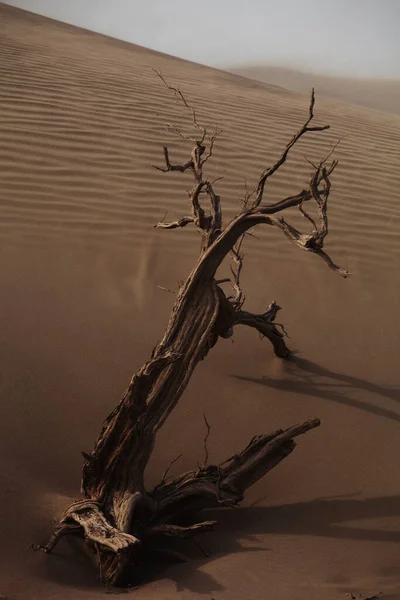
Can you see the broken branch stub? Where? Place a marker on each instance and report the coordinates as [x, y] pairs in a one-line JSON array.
[[117, 515]]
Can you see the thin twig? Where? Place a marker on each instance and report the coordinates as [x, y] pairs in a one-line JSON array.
[[324, 160], [166, 289], [307, 216], [205, 440], [178, 94], [163, 478], [202, 550], [332, 149], [248, 194], [219, 177], [211, 140], [251, 234]]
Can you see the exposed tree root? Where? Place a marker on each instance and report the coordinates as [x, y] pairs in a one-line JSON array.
[[158, 513]]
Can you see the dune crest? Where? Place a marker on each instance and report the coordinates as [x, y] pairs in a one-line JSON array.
[[377, 94]]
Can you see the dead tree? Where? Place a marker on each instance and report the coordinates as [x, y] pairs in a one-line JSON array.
[[117, 516]]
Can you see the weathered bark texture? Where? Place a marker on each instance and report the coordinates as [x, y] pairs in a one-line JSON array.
[[117, 514]]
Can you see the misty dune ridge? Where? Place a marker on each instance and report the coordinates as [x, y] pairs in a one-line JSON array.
[[382, 95], [82, 124]]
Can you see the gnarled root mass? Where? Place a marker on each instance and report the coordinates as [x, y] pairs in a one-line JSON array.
[[151, 515], [117, 516]]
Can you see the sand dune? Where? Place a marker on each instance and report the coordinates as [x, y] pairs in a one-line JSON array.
[[82, 123], [377, 94]]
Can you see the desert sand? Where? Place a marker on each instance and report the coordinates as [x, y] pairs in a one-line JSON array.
[[81, 124], [376, 94]]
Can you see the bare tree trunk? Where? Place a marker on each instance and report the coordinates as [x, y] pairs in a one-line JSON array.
[[117, 515]]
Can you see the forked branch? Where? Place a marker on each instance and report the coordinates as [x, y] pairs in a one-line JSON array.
[[181, 98], [267, 327], [267, 173], [208, 224], [238, 298], [170, 167]]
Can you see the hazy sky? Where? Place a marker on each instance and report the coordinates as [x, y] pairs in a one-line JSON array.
[[345, 37]]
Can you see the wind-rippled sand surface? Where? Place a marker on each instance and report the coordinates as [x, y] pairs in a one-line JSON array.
[[81, 124], [377, 94]]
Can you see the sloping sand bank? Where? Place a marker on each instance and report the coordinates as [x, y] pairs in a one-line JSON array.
[[377, 94], [81, 123]]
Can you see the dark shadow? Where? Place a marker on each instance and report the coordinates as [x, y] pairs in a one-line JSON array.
[[69, 565], [308, 378], [183, 570], [308, 366], [318, 518], [190, 556], [322, 518]]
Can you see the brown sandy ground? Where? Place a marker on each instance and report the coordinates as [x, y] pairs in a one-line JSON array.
[[81, 123]]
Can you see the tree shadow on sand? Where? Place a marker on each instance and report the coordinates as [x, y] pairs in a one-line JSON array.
[[329, 518], [308, 378], [318, 518]]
